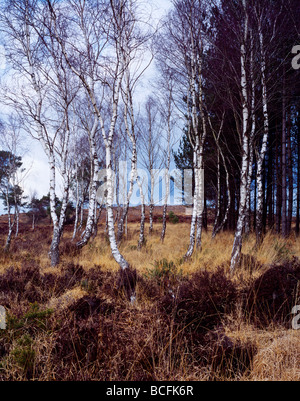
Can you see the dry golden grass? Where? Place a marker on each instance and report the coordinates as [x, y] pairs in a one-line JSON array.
[[66, 299], [279, 359], [214, 253]]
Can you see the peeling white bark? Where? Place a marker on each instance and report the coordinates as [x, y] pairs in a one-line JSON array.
[[262, 153], [237, 245], [91, 220]]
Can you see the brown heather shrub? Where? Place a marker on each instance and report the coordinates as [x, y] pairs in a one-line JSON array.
[[272, 296], [68, 248], [226, 357], [127, 281], [201, 301], [198, 309], [102, 336], [105, 341]]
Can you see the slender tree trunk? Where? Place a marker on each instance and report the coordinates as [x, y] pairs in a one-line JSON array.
[[251, 144], [298, 181], [164, 223], [77, 206], [11, 224], [151, 211], [17, 214], [93, 189], [95, 232], [81, 216], [255, 194], [110, 215], [200, 225], [278, 183], [190, 250], [58, 224], [8, 240], [124, 215], [165, 209], [168, 162], [54, 248], [270, 186], [290, 176], [218, 226], [262, 153], [284, 195], [200, 205], [218, 198], [141, 242], [238, 239]]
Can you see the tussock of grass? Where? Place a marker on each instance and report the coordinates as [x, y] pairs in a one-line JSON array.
[[278, 360]]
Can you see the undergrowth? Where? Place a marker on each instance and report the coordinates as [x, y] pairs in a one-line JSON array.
[[78, 323]]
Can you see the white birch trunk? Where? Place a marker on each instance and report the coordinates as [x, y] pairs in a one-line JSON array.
[[143, 216], [77, 205], [151, 206], [10, 222], [93, 189], [200, 202], [251, 145], [17, 220], [54, 248], [167, 181], [167, 173], [218, 226], [110, 215], [124, 216], [190, 250], [237, 245], [58, 224], [262, 153], [218, 201]]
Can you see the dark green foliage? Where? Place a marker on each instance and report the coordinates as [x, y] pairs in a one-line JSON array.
[[9, 164], [45, 202], [37, 209], [165, 274], [24, 355], [173, 218]]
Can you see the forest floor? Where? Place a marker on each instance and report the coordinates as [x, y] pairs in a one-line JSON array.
[[191, 320]]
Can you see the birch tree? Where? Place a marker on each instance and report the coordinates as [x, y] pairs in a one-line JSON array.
[[150, 137], [181, 50], [237, 245], [89, 127], [133, 50], [10, 191], [168, 115], [218, 225], [42, 96], [106, 23], [266, 44]]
